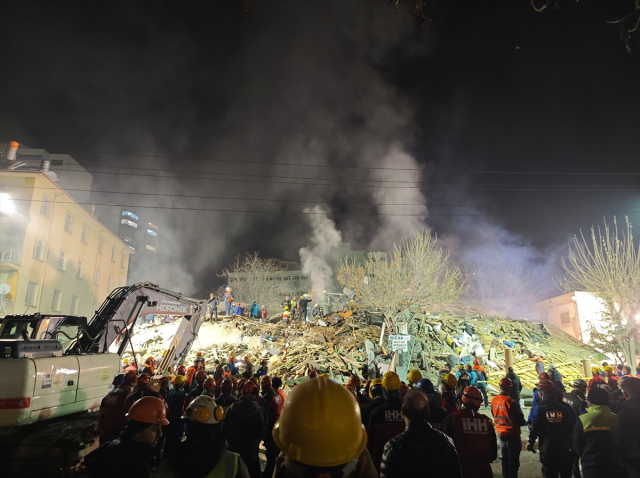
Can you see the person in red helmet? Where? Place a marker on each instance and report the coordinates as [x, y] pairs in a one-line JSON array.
[[112, 408], [227, 397], [149, 366], [274, 403], [181, 370], [197, 388], [508, 419], [355, 385], [142, 390]]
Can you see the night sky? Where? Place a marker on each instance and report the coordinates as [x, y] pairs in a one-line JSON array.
[[190, 91]]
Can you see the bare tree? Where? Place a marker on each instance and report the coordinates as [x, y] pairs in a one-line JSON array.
[[418, 275], [253, 278], [608, 266]]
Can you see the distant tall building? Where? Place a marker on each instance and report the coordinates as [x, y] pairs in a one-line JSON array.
[[141, 235]]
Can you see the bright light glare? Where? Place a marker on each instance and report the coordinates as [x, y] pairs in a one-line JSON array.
[[6, 204]]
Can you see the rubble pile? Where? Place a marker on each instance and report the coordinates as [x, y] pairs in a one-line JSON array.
[[340, 344]]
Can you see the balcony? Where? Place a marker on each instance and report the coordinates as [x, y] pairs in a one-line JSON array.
[[9, 258]]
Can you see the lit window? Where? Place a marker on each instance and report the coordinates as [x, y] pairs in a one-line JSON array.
[[153, 233], [109, 283], [151, 248], [68, 221], [74, 305], [38, 249], [152, 225], [113, 253], [80, 268], [97, 278], [32, 289], [85, 233], [100, 244], [57, 298], [130, 214], [62, 261], [128, 223], [45, 207]]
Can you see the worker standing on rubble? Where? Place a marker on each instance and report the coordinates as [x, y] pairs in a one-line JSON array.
[[437, 414], [303, 303], [473, 435], [385, 422], [325, 446], [464, 380], [537, 358], [441, 374], [138, 439], [286, 315], [449, 384], [228, 300], [212, 306], [112, 408], [294, 307], [286, 303], [254, 311], [552, 424], [274, 404], [508, 418], [175, 404], [263, 313]]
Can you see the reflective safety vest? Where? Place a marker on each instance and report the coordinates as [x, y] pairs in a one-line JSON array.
[[502, 416], [227, 467]]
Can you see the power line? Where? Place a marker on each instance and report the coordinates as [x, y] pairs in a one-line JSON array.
[[278, 163]]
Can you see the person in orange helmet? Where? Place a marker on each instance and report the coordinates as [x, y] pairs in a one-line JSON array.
[[142, 390], [481, 380], [198, 387]]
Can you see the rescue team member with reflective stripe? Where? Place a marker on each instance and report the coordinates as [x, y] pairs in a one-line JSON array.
[[593, 438], [385, 422], [508, 418], [473, 435]]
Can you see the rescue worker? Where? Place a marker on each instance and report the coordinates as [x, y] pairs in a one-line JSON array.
[[324, 446], [228, 300], [556, 378], [233, 364], [626, 432], [318, 311], [354, 384], [264, 368], [264, 315], [465, 379], [197, 388], [473, 435], [142, 390], [377, 400], [286, 304], [449, 384], [481, 380], [413, 377], [294, 307], [537, 358], [286, 315], [385, 422], [441, 374], [508, 419], [227, 397], [129, 366], [552, 424], [239, 309], [577, 398], [276, 383], [165, 383], [191, 372], [274, 404], [208, 389], [148, 367], [212, 306], [303, 303], [250, 389], [419, 447], [244, 428], [175, 404], [597, 378], [517, 384], [593, 438], [138, 439], [437, 414], [112, 408], [254, 310], [203, 453], [612, 377]]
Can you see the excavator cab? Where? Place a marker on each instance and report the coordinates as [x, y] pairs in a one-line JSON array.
[[63, 328]]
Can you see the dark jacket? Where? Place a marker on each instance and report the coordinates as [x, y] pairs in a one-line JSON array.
[[243, 426], [114, 458], [437, 415], [175, 403], [593, 442], [274, 403], [517, 386], [420, 450], [112, 414], [626, 433], [385, 422], [552, 422], [576, 402], [365, 412]]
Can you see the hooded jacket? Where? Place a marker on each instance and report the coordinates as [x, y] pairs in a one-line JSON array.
[[243, 426]]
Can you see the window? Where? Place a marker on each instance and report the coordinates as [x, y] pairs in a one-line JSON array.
[[38, 249], [85, 233], [151, 248], [565, 318], [100, 244], [153, 233], [129, 223], [152, 225], [62, 261], [57, 298], [32, 288], [45, 206], [123, 259], [128, 239], [109, 283], [74, 305], [57, 162], [97, 277], [130, 214], [68, 221], [80, 268], [113, 253]]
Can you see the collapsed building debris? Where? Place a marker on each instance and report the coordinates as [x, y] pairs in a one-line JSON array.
[[350, 342]]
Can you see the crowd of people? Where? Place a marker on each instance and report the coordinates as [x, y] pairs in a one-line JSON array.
[[209, 423]]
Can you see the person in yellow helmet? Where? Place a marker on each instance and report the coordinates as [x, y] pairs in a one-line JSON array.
[[413, 377], [326, 445], [449, 384], [377, 400], [385, 422]]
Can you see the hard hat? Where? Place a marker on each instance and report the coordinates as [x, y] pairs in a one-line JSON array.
[[178, 380], [579, 383], [247, 359], [201, 375], [476, 362], [227, 386], [286, 308], [254, 380], [250, 388], [552, 366], [608, 368], [354, 381], [460, 366], [322, 441], [228, 289], [144, 378], [595, 369], [209, 384], [414, 376], [149, 360], [506, 383], [544, 376], [537, 354], [426, 386], [181, 370], [376, 382], [126, 361], [546, 386], [391, 381], [266, 381], [148, 410], [131, 376], [204, 410], [472, 396], [326, 375], [451, 380]]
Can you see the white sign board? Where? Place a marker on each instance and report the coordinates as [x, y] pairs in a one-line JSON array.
[[399, 342]]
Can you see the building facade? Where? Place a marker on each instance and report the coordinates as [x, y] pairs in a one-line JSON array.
[[55, 257], [140, 234]]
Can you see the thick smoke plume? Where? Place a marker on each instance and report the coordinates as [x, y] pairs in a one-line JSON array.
[[315, 258]]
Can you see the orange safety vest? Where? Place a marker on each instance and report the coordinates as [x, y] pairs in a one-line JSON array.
[[501, 409]]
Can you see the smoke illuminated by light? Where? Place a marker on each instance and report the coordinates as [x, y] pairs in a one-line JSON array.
[[6, 204]]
